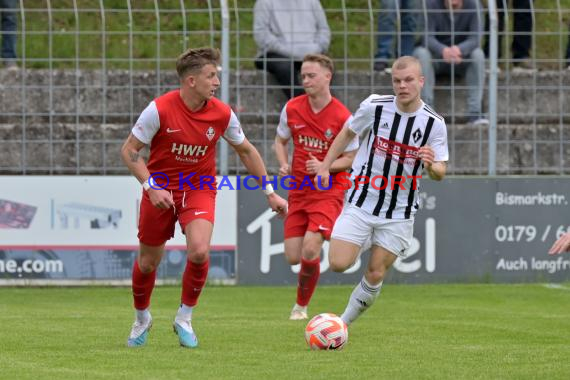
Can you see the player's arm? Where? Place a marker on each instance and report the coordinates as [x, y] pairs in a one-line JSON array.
[[141, 135], [435, 169], [130, 153], [343, 163], [561, 245], [337, 148], [435, 153], [282, 154], [282, 138], [254, 164]]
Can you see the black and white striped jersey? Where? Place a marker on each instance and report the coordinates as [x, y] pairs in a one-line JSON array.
[[388, 155]]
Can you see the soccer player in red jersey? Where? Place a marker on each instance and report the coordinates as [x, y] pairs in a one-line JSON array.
[[312, 121], [182, 128]]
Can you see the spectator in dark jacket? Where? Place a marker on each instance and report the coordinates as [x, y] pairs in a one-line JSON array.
[[452, 47]]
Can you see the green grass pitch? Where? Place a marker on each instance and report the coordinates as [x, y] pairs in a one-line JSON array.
[[412, 332]]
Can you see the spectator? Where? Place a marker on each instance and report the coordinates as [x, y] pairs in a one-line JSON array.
[[390, 9], [522, 31], [285, 31], [8, 19], [452, 48]]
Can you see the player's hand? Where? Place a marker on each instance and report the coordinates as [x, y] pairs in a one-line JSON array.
[[561, 245], [322, 178], [277, 204], [426, 154], [313, 164], [284, 170], [160, 198]]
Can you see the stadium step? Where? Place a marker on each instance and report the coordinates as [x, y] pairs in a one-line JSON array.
[[118, 96], [95, 148]]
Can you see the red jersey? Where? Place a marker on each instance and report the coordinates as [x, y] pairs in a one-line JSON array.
[[183, 142], [312, 133]]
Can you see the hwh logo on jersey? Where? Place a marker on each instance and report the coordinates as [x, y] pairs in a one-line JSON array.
[[189, 150], [313, 142]]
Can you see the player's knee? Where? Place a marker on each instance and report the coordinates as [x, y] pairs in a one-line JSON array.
[[147, 265], [376, 276], [311, 250], [293, 259], [198, 252], [337, 264]]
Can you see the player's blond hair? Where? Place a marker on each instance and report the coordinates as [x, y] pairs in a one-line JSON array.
[[321, 59], [405, 61], [193, 60]]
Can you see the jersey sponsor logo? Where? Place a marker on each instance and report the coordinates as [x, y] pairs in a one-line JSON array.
[[328, 134], [401, 152], [210, 133], [189, 150], [313, 142], [168, 130], [187, 160]]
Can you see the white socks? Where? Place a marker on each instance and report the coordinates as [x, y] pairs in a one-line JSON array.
[[362, 297], [143, 316], [184, 312]]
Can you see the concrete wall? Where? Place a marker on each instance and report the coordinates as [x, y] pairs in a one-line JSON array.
[[85, 122]]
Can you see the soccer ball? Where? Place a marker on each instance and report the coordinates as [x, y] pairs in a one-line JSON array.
[[326, 332]]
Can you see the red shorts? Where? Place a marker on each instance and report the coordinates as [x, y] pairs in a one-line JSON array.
[[315, 215], [156, 225]]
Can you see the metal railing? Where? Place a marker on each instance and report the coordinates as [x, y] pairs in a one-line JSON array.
[[87, 69]]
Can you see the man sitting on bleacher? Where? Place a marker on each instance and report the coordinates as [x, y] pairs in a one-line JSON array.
[[286, 31], [452, 48]]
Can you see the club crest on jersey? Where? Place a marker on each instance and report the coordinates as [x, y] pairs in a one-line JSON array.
[[328, 134], [417, 135], [210, 133]]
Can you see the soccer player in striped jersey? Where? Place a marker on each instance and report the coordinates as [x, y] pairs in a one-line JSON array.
[[400, 136], [182, 128], [312, 121]]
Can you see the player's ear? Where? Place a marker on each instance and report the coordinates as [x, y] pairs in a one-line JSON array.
[[190, 80]]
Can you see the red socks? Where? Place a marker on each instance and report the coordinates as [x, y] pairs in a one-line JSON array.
[[142, 286], [308, 278], [193, 281]]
